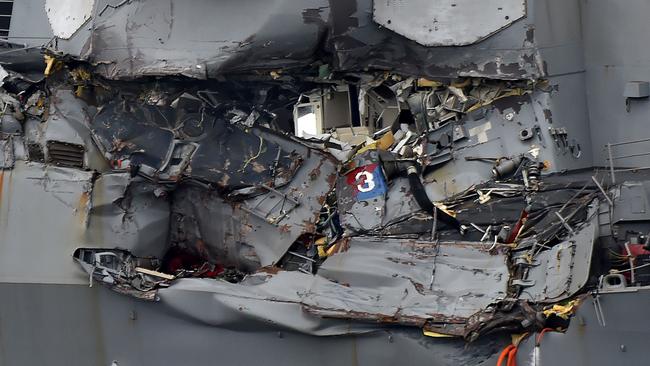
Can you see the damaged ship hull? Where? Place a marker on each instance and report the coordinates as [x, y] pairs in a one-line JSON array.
[[323, 182]]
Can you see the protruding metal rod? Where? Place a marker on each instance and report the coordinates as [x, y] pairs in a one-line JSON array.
[[631, 155], [631, 260], [566, 225], [434, 228], [611, 204], [629, 142], [611, 162]]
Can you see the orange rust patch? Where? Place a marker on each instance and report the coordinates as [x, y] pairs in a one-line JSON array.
[[82, 206], [269, 270], [309, 227], [331, 179]]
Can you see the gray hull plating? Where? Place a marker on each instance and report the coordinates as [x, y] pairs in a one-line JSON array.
[[75, 325], [160, 125]]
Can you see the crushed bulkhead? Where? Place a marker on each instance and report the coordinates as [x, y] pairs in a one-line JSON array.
[[325, 202]]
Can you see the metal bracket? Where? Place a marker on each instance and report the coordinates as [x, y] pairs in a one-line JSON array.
[[273, 215], [522, 261], [523, 283]]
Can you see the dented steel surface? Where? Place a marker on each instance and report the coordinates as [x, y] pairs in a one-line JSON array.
[[322, 170], [135, 39]]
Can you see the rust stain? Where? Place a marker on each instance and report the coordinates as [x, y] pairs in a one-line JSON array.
[[82, 206], [285, 228], [269, 269], [309, 227], [344, 245], [400, 261], [315, 173], [331, 179]]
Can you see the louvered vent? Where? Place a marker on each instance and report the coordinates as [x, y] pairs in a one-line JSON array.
[[6, 8], [65, 154]]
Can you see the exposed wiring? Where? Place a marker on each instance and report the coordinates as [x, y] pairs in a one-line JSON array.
[[259, 152], [629, 269], [538, 340], [510, 352], [505, 354]]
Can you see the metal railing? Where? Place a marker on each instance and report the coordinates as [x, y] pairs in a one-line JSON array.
[[611, 157]]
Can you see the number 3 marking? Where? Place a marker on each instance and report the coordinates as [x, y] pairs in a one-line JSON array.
[[368, 183]]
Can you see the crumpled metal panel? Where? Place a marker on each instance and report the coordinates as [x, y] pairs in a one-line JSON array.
[[66, 123], [260, 302], [269, 223], [386, 281], [7, 158], [127, 214], [563, 270], [402, 279], [447, 22], [205, 39], [135, 133], [198, 38], [143, 137], [399, 201], [233, 158], [42, 214], [202, 220]]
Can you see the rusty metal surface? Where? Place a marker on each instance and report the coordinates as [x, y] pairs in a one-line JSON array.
[[256, 231], [410, 280], [387, 281]]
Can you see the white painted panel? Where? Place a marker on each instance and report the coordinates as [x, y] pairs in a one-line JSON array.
[[447, 22], [67, 16]]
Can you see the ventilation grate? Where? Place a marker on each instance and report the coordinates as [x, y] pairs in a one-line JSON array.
[[65, 154], [35, 153], [6, 7]]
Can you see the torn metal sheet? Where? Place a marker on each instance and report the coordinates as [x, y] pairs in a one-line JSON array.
[[409, 282], [387, 282], [196, 40], [146, 138], [137, 39], [133, 215], [562, 271], [122, 272], [7, 158], [167, 146], [261, 302], [257, 230]]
